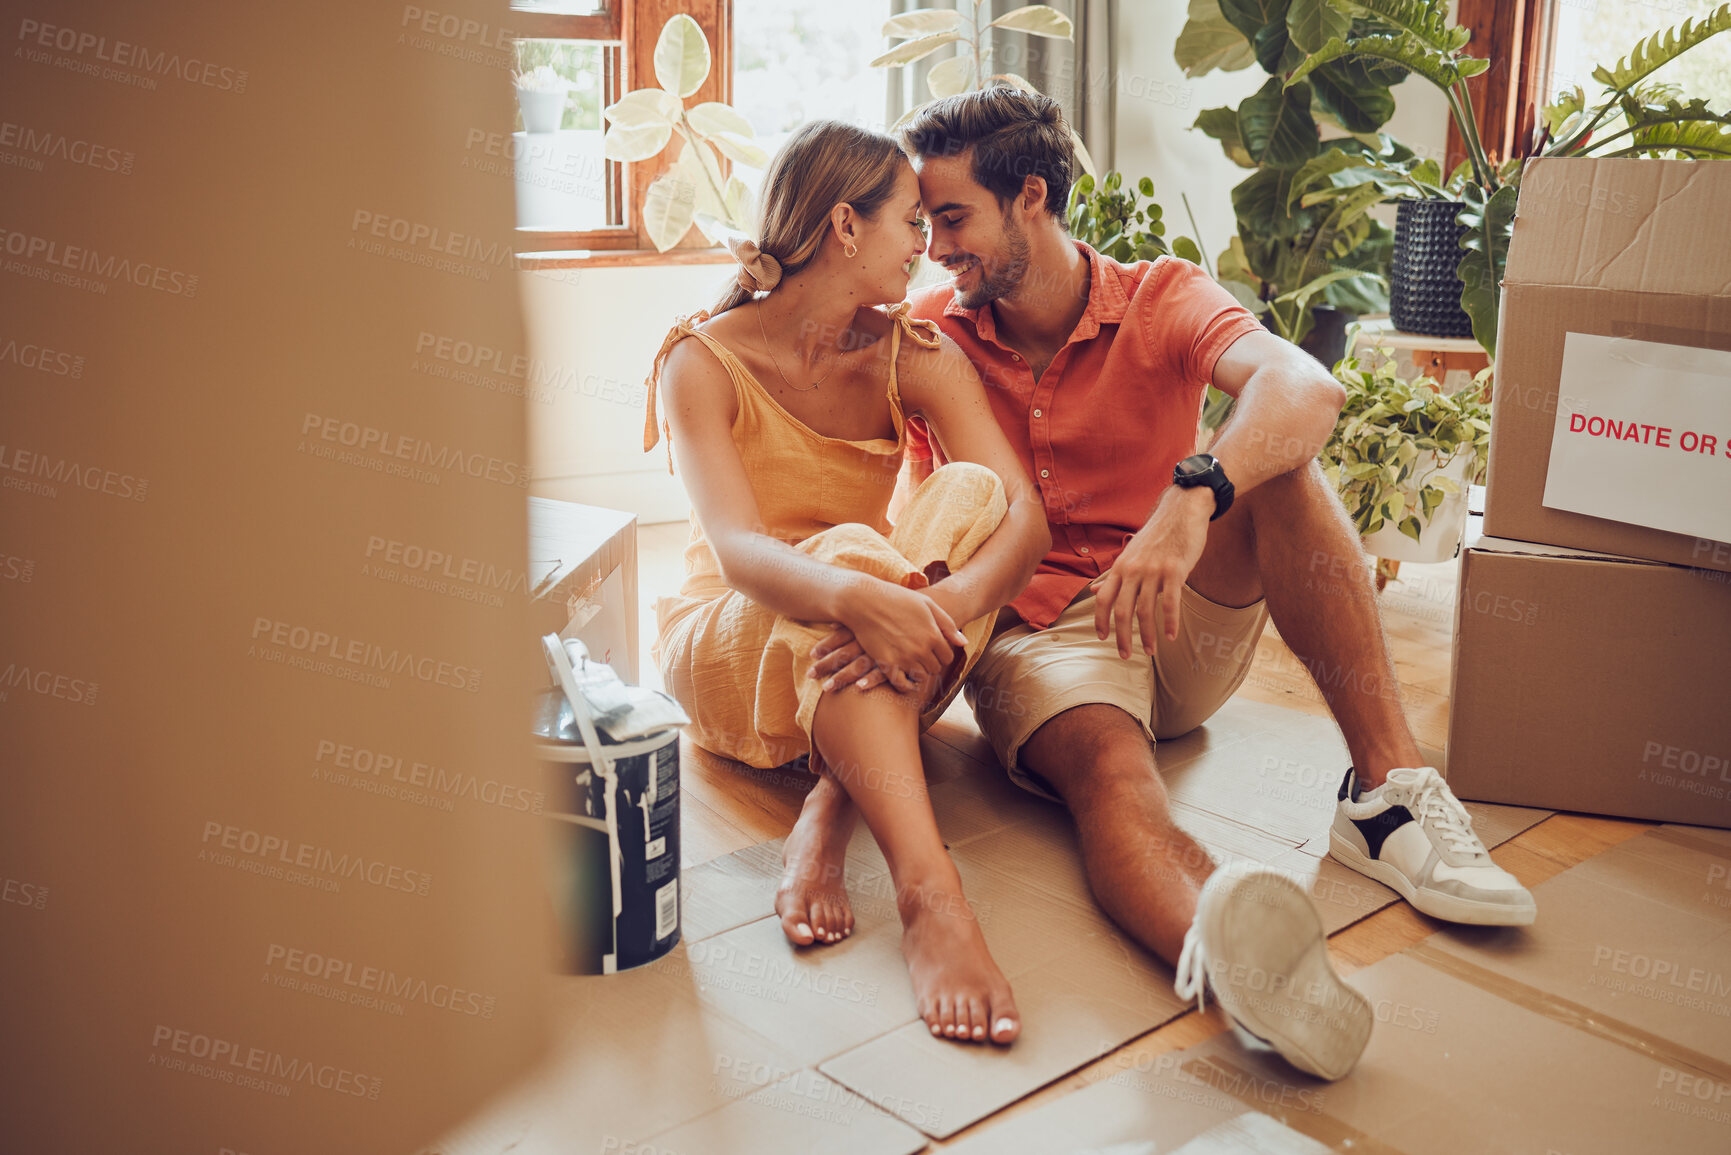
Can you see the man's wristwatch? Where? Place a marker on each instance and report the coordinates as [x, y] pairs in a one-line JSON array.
[[1204, 469]]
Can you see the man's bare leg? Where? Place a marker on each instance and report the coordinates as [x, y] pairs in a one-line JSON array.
[[1290, 540], [812, 897], [870, 746], [1251, 935], [1308, 560], [1144, 871]]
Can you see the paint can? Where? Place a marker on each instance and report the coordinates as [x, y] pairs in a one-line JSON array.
[[614, 812]]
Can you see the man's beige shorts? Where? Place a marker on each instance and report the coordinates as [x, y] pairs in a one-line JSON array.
[[1026, 677]]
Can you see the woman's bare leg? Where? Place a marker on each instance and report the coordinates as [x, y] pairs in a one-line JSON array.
[[870, 746], [812, 898]]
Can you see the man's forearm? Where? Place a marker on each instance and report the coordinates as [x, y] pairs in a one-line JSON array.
[[1278, 425]]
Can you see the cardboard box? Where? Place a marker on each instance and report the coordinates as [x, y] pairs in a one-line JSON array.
[[583, 574], [1588, 682], [1616, 248]]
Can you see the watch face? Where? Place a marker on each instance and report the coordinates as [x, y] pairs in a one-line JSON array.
[[1196, 465]]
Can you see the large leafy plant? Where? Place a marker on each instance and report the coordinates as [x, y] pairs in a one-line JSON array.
[[1641, 119], [1395, 439], [644, 121], [1305, 233], [925, 31]]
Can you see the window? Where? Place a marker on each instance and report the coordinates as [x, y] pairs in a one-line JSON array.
[[568, 196], [1586, 35], [1539, 47], [802, 60], [561, 175], [779, 62]]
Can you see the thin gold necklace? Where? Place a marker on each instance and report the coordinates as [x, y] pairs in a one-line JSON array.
[[771, 351]]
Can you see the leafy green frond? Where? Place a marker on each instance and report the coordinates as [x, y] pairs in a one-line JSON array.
[[1440, 68], [1427, 20], [1702, 137], [1489, 223], [1569, 102], [1313, 175], [1661, 48]]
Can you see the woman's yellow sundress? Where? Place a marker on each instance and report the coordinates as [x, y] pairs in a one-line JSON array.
[[739, 669]]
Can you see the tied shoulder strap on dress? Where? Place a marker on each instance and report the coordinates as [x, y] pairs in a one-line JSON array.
[[925, 333], [682, 328]]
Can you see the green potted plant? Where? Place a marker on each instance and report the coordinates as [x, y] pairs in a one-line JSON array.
[[1633, 114], [693, 190], [1307, 248], [1402, 456], [1110, 218]]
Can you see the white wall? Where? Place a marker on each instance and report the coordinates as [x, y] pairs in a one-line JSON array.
[[596, 332]]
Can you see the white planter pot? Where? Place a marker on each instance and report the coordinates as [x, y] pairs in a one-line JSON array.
[[1440, 539], [542, 111]]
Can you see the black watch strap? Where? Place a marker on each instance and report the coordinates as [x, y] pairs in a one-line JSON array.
[[1206, 470]]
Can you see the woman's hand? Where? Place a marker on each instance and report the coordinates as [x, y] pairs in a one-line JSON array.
[[839, 659], [891, 634]]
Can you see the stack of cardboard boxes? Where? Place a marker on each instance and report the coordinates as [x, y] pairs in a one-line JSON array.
[[1592, 664]]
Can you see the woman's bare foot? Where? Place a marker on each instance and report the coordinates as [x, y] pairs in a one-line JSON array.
[[812, 897], [962, 994]]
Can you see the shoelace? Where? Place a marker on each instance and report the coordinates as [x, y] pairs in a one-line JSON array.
[[1438, 808], [1191, 980]]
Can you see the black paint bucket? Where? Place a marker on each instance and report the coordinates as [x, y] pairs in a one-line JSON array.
[[614, 812]]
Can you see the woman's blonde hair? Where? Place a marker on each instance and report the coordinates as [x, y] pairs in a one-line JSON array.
[[823, 164]]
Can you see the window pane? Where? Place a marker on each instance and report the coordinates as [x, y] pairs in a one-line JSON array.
[[800, 60], [1594, 33], [556, 148]]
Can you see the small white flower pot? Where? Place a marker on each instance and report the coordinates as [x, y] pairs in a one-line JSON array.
[[542, 111], [1440, 538]]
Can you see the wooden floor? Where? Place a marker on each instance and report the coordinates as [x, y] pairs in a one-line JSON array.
[[723, 813]]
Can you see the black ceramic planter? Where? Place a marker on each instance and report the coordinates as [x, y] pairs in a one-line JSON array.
[[1424, 290]]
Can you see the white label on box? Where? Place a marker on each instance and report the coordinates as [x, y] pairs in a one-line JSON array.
[[1643, 435], [654, 848]]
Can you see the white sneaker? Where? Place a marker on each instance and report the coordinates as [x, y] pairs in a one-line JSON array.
[[1258, 943], [1413, 835]]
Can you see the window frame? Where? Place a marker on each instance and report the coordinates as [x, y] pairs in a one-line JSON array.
[[627, 30], [1515, 36]]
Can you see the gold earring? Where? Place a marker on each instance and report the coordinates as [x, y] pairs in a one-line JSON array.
[[849, 249]]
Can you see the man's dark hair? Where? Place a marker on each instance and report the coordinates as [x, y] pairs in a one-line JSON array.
[[1013, 135]]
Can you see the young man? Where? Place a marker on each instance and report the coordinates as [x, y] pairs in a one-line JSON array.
[[1165, 565]]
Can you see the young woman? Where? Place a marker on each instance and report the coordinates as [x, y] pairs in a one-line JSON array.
[[807, 624]]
